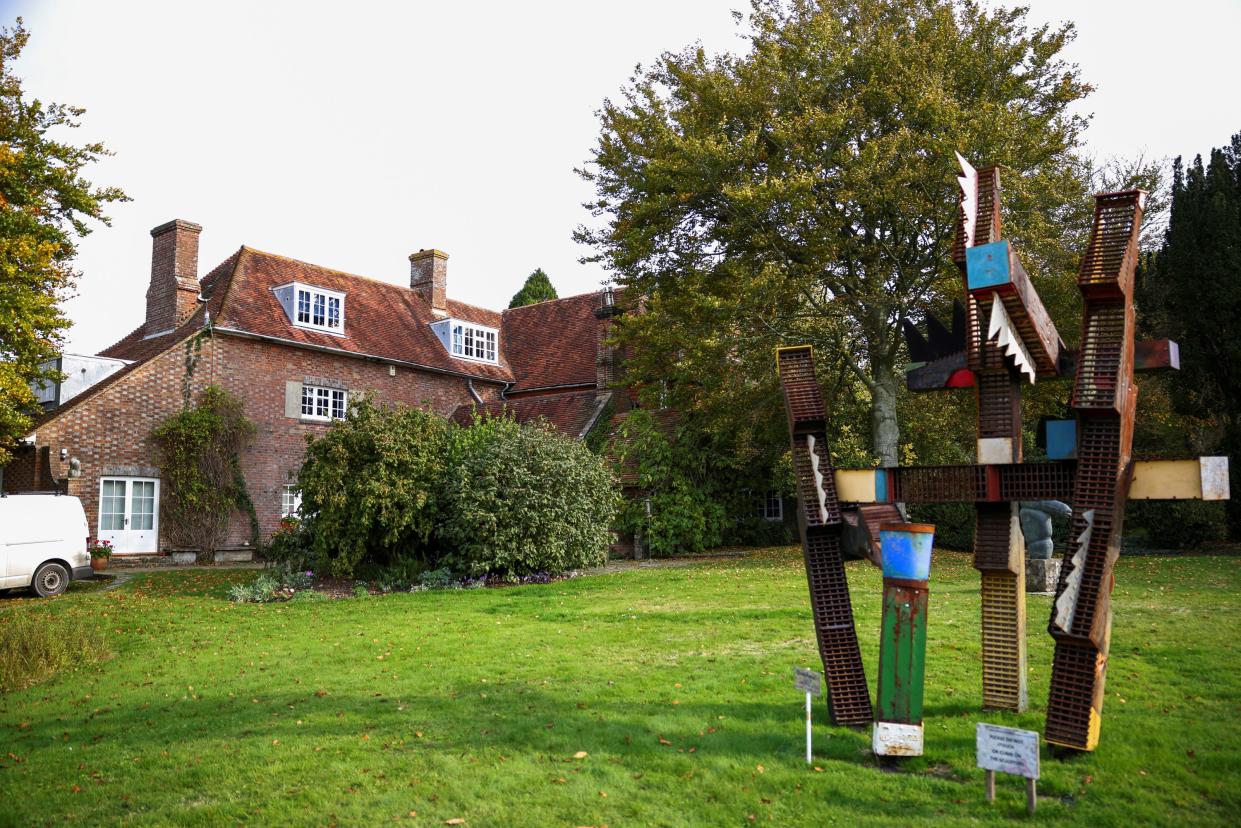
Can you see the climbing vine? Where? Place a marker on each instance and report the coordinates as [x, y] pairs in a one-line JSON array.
[[200, 459]]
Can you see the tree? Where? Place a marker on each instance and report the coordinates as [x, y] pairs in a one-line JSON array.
[[538, 288], [805, 191], [1191, 293], [45, 203]]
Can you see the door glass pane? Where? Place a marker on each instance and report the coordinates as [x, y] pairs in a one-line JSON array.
[[112, 506], [143, 516]]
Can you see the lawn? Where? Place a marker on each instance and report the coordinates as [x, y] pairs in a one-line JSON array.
[[650, 697]]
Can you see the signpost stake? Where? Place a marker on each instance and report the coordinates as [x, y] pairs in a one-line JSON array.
[[991, 786], [1031, 795], [809, 756]]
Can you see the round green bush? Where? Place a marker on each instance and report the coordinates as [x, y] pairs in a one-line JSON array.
[[371, 487], [522, 499]]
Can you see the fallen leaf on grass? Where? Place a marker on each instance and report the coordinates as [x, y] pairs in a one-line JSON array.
[[454, 821], [760, 768], [664, 741], [581, 754]]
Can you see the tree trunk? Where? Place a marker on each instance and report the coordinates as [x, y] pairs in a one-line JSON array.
[[885, 431]]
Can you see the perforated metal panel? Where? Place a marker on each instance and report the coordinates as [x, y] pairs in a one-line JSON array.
[[1003, 641], [1104, 399], [847, 694], [819, 522]]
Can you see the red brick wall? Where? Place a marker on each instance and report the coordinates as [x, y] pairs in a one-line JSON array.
[[111, 428], [257, 372]]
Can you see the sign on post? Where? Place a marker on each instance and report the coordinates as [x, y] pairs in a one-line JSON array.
[[809, 682], [1008, 750]]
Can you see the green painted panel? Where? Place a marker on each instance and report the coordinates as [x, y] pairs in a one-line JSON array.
[[902, 655]]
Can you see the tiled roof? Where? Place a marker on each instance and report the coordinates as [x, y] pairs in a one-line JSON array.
[[552, 344], [571, 414], [381, 319]]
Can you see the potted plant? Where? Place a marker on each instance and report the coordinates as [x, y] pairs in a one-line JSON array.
[[100, 551]]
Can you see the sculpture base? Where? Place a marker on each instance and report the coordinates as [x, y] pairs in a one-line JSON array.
[[1042, 575]]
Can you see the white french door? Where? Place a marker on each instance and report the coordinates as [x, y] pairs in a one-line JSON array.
[[129, 514]]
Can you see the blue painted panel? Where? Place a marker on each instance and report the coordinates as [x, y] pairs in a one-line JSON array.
[[1061, 439], [881, 486], [906, 554], [987, 265]]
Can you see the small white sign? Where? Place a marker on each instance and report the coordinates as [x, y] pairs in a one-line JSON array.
[[808, 681], [1008, 750]]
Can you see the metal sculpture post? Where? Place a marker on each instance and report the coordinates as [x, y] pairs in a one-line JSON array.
[[906, 549], [818, 519], [1104, 399]]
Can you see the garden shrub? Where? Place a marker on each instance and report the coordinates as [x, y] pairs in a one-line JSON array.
[[523, 499], [1174, 524], [35, 646], [372, 487], [954, 524]]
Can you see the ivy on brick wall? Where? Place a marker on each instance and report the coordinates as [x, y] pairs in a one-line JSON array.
[[200, 460]]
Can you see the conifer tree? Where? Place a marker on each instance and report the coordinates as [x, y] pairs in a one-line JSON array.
[[1192, 294], [538, 288]]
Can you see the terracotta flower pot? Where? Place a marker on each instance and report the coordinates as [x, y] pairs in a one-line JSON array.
[[99, 564]]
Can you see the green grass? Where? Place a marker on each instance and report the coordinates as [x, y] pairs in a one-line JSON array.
[[473, 704]]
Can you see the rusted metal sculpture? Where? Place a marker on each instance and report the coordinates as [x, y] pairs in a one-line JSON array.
[[1001, 338], [818, 519]]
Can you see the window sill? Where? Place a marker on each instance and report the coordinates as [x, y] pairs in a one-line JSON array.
[[319, 420]]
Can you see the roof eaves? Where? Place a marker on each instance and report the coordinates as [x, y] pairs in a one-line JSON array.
[[357, 355]]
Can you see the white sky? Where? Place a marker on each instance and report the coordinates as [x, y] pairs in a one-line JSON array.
[[352, 134]]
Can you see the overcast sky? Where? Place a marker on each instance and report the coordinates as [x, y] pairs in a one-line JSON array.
[[350, 135]]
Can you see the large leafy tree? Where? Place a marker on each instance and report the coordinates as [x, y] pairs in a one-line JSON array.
[[804, 191], [538, 288], [45, 203]]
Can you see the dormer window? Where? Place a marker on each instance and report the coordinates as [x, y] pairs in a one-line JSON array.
[[314, 308], [467, 340]]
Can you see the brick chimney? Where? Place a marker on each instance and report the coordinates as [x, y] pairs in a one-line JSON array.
[[428, 277], [173, 293]]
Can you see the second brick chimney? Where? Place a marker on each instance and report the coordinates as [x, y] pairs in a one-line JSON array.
[[173, 293], [428, 277]]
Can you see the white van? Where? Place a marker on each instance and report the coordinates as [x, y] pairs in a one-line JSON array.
[[43, 539]]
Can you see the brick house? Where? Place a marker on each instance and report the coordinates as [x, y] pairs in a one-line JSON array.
[[293, 341]]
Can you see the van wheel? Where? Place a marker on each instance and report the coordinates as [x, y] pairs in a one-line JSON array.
[[49, 580]]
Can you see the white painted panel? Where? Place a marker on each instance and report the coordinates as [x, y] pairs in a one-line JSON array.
[[897, 739], [1214, 471], [994, 450]]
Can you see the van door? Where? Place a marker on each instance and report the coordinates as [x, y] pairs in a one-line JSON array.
[[129, 514]]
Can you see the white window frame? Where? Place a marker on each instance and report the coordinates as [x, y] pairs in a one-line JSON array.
[[476, 343], [770, 506], [290, 501], [322, 309], [322, 404]]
